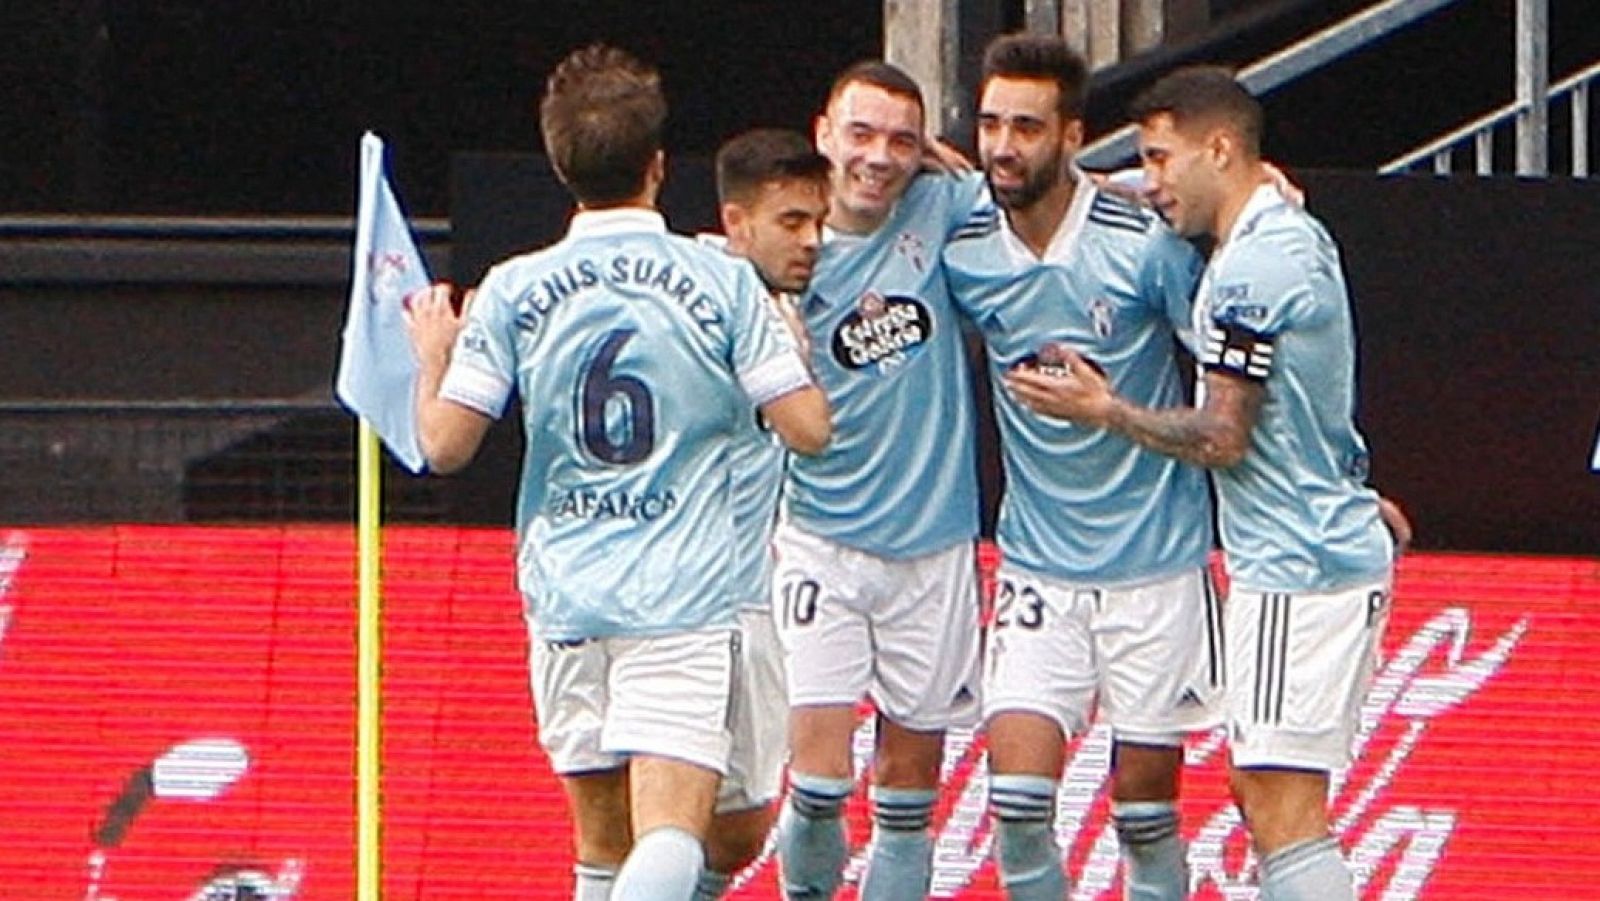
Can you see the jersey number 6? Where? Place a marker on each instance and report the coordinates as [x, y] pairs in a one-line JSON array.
[[637, 417]]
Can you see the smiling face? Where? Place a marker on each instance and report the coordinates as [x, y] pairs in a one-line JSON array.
[[873, 137], [1180, 173], [780, 230], [1024, 142]]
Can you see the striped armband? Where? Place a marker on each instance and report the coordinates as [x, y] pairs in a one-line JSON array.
[[1236, 350]]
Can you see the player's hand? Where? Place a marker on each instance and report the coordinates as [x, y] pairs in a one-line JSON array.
[[1080, 394], [433, 322], [1286, 188], [939, 155], [1397, 521]]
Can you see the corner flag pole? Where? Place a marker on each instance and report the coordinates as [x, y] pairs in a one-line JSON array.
[[368, 664], [376, 381]]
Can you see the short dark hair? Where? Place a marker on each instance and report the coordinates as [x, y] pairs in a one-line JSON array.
[[1041, 57], [881, 75], [602, 116], [1203, 94], [761, 155]]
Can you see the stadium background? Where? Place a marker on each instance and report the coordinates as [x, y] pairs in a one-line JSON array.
[[176, 560]]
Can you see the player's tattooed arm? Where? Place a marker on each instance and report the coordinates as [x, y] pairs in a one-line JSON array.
[[1216, 435]]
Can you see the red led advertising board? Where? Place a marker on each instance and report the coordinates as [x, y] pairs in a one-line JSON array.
[[177, 721]]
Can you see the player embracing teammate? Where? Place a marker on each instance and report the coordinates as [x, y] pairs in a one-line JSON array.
[[649, 482]]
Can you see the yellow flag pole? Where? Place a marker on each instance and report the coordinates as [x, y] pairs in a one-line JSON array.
[[368, 660]]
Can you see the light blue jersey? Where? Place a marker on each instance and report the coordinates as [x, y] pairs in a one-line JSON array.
[[899, 479], [1295, 514], [758, 459], [1081, 504], [629, 348]]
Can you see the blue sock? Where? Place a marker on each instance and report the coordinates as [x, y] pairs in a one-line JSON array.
[[664, 865], [1152, 853], [811, 845], [901, 864], [592, 883], [1030, 859], [712, 885], [1308, 871]]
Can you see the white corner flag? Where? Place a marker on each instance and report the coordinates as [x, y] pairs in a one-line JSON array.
[[377, 367]]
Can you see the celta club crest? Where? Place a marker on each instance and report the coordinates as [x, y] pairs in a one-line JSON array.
[[388, 276], [1100, 316], [913, 249]]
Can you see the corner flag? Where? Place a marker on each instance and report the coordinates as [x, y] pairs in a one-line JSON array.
[[377, 368]]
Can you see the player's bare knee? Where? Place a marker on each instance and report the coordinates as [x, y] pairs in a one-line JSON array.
[[671, 793], [819, 741], [1026, 743], [1281, 807], [1143, 772], [737, 838], [907, 758]]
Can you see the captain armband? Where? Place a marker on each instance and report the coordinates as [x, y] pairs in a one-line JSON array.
[[1237, 350]]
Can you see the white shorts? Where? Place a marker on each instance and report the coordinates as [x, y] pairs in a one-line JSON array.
[[601, 701], [1150, 654], [1298, 670], [904, 632], [760, 720]]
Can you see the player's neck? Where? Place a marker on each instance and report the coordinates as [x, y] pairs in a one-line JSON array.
[[1036, 224], [644, 200], [1238, 187], [636, 203], [842, 219]]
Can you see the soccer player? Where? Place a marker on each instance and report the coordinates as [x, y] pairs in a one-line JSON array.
[[875, 587], [773, 189], [1102, 593], [1309, 559], [637, 355]]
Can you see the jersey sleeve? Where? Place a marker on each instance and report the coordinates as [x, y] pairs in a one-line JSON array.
[[1257, 297], [764, 355], [968, 204], [1168, 275], [483, 364]]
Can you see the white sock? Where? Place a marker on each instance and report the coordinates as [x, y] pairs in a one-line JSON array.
[[664, 865], [592, 883], [1308, 871]]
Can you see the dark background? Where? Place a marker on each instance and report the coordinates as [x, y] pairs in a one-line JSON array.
[[1476, 299], [204, 107]]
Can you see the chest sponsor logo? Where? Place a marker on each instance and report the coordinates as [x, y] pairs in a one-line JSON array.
[[882, 333]]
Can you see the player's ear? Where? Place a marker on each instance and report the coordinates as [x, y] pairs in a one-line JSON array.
[[1072, 136], [819, 133], [1223, 148], [733, 219]]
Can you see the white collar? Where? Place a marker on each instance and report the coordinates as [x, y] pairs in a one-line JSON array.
[[1262, 199], [1065, 238], [618, 220]]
